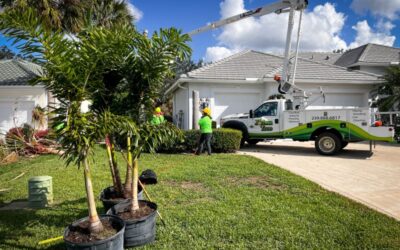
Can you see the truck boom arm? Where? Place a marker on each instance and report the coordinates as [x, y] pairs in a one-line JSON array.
[[278, 8]]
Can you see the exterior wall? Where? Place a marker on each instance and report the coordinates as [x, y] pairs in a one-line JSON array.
[[379, 70], [339, 94], [181, 107], [17, 103], [248, 95], [244, 97]]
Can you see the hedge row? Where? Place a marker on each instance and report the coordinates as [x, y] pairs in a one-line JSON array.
[[223, 141]]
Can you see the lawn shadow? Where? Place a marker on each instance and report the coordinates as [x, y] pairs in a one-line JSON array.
[[306, 151], [28, 218]]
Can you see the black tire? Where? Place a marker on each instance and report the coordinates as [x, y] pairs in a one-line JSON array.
[[344, 144], [328, 143], [253, 141]]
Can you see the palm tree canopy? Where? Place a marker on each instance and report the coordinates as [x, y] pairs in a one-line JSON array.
[[73, 16], [390, 90]]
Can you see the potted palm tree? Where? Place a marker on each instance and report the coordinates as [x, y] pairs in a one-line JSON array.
[[140, 215], [72, 74], [146, 69]]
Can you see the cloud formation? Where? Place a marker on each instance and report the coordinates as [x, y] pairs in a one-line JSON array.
[[134, 11], [381, 8], [365, 34], [321, 29]]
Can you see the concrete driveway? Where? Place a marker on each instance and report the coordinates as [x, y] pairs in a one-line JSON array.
[[371, 179]]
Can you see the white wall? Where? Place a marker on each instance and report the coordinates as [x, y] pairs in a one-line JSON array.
[[249, 96], [181, 103], [339, 94], [17, 103], [245, 96], [379, 70]]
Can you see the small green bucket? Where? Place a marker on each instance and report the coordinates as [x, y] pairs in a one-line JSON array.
[[40, 189]]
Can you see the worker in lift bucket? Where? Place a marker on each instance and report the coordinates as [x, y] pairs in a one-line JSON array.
[[158, 117], [205, 124]]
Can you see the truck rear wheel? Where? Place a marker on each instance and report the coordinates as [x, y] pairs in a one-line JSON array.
[[328, 143]]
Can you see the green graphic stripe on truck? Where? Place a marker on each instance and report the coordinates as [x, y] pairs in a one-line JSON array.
[[350, 132]]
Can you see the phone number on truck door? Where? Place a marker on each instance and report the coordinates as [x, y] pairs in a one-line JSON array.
[[333, 117]]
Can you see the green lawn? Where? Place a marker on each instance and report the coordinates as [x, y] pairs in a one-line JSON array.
[[220, 202]]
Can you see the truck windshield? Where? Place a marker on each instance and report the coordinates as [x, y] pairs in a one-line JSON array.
[[267, 109]]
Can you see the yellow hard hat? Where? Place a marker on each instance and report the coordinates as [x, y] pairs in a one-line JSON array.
[[207, 111], [157, 110]]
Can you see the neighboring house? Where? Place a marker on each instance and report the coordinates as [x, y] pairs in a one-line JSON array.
[[243, 81], [371, 58], [17, 97]]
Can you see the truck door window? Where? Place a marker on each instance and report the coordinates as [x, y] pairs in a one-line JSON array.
[[267, 109]]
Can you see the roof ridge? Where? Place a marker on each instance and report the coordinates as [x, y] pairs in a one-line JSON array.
[[364, 52], [6, 60], [383, 45], [211, 65], [339, 67], [326, 64], [18, 63]]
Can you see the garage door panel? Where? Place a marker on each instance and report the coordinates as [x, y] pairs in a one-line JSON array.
[[15, 114], [230, 103], [341, 99]]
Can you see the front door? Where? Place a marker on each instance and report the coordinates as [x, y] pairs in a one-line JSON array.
[[265, 122]]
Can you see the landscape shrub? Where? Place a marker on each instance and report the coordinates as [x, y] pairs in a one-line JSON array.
[[226, 140], [223, 141]]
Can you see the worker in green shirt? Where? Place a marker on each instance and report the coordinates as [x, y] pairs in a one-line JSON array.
[[205, 124], [158, 117]]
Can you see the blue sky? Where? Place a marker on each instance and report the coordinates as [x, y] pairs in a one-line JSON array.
[[327, 25]]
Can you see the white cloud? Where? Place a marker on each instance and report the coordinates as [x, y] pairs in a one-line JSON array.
[[365, 34], [134, 11], [216, 53], [383, 8], [320, 30]]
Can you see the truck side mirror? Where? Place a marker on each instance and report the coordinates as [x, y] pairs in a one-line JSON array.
[[251, 113]]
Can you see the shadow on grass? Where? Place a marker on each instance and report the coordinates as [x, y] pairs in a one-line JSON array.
[[20, 223]]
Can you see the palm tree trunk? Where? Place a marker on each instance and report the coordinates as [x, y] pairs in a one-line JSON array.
[[119, 188], [128, 177], [135, 202], [116, 178], [95, 224], [110, 161]]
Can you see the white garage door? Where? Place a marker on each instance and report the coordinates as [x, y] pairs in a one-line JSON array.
[[230, 103], [15, 114], [342, 99]]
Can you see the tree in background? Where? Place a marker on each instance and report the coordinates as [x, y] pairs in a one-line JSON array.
[[73, 16], [6, 53], [389, 91]]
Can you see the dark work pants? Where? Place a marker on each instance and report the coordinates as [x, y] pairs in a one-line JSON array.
[[204, 139]]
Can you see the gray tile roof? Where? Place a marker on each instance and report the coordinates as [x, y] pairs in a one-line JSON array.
[[369, 54], [17, 72], [253, 64], [323, 57]]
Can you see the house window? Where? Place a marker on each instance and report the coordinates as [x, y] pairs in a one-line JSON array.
[[267, 109]]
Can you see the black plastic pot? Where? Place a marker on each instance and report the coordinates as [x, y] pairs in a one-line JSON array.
[[139, 231], [115, 242], [108, 193]]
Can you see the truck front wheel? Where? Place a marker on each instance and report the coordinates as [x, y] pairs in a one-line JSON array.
[[328, 143], [253, 141]]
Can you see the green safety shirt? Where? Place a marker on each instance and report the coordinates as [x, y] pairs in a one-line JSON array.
[[157, 119], [205, 124]]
